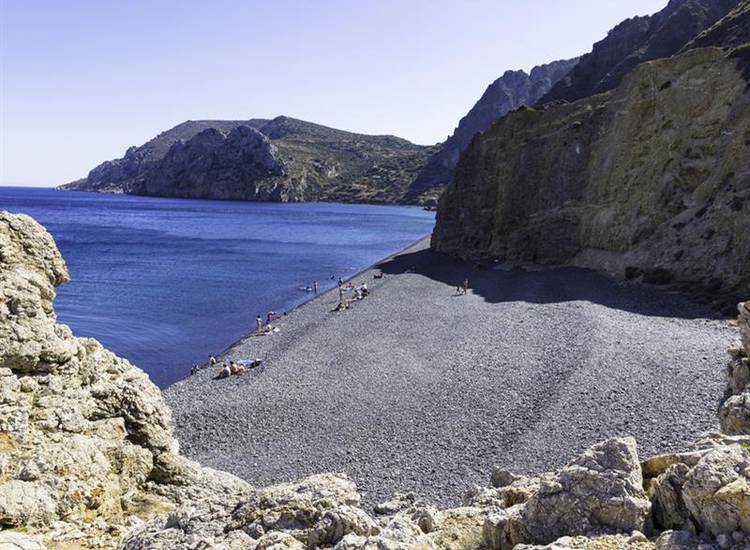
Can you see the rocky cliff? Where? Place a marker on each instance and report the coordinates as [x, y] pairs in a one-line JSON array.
[[731, 31], [283, 159], [510, 91], [648, 181], [635, 41], [88, 460]]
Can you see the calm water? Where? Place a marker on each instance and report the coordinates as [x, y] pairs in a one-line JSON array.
[[165, 282]]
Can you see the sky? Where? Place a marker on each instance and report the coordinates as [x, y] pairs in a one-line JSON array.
[[81, 80]]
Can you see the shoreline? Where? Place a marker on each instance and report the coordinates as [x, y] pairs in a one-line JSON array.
[[286, 314], [525, 371]]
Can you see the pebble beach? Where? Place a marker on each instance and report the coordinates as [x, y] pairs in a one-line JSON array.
[[418, 388]]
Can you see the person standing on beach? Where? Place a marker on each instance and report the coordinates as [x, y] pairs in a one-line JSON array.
[[259, 325], [315, 287], [466, 286]]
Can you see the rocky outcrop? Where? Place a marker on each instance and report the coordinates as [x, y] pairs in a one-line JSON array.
[[283, 159], [86, 444], [734, 413], [649, 181], [635, 41], [510, 91]]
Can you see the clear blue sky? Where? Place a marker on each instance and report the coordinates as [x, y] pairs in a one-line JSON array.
[[80, 81]]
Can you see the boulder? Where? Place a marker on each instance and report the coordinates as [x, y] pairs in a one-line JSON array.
[[717, 491], [734, 414], [600, 491], [669, 510]]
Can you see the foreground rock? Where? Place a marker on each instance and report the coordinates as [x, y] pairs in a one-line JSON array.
[[88, 460]]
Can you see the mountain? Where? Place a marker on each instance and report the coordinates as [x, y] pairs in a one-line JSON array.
[[637, 40], [510, 91], [650, 181], [283, 159], [733, 30]]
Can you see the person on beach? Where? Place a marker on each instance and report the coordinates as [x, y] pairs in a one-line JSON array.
[[363, 290], [234, 368], [466, 286], [259, 325], [225, 372], [315, 287], [211, 361]]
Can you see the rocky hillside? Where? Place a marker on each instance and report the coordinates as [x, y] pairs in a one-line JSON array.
[[510, 91], [732, 31], [283, 159], [650, 181], [637, 40], [88, 460]]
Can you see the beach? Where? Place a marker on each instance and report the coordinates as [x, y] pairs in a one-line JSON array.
[[417, 388]]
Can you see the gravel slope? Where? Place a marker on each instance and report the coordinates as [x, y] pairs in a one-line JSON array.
[[417, 389]]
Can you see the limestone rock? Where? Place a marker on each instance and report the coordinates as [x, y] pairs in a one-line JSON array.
[[717, 491], [743, 322], [669, 508], [734, 414], [10, 540], [603, 542], [86, 439], [677, 540], [601, 490]]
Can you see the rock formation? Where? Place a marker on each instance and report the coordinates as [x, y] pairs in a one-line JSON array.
[[649, 181], [732, 31], [88, 460], [635, 41], [510, 91], [283, 159]]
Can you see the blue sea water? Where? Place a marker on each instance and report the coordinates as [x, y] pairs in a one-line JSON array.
[[165, 282]]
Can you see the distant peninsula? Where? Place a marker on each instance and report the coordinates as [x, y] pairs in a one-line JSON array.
[[282, 160]]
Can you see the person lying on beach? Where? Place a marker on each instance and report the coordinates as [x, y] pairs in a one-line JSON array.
[[378, 275], [224, 372], [340, 307], [236, 369]]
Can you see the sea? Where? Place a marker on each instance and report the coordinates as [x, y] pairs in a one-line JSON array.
[[166, 282]]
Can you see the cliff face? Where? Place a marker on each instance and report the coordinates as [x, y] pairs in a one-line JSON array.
[[732, 31], [635, 41], [510, 91], [278, 160], [650, 180], [88, 460]]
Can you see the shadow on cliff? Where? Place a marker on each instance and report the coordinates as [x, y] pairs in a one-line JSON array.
[[497, 284]]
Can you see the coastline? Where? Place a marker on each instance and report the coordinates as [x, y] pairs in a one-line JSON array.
[[527, 370], [333, 290]]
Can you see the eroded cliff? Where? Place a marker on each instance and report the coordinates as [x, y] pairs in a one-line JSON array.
[[510, 91], [648, 181], [635, 41]]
